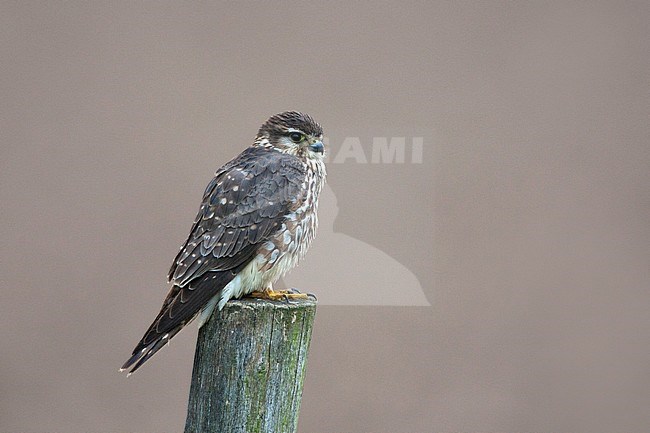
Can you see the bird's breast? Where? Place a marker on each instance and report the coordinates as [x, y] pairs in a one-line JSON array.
[[290, 243], [283, 250]]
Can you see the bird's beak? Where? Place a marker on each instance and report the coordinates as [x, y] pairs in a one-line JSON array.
[[317, 146]]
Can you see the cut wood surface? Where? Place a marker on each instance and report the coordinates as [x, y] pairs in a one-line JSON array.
[[249, 367]]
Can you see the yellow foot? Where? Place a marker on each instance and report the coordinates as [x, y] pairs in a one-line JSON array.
[[280, 295]]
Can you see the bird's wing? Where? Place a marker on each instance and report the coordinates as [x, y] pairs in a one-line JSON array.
[[243, 206], [244, 203]]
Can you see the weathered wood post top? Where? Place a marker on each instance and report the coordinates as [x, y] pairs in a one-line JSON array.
[[249, 367]]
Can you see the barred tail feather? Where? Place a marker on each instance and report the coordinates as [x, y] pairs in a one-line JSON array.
[[181, 306], [141, 354]]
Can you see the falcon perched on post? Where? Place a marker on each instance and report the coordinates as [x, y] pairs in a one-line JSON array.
[[257, 219]]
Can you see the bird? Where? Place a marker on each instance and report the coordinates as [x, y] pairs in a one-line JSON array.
[[257, 219]]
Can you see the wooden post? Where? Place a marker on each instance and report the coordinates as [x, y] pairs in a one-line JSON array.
[[249, 367]]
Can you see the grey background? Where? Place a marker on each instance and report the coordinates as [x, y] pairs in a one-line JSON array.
[[526, 224]]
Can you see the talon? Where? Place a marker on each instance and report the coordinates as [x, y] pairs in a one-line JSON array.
[[280, 295]]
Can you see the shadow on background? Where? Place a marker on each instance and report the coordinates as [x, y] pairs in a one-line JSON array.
[[342, 270]]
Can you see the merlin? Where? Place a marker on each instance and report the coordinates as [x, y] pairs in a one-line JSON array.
[[256, 221]]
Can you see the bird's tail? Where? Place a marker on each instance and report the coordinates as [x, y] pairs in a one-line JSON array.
[[143, 352], [181, 306]]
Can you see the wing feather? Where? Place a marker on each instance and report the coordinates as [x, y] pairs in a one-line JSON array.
[[242, 205]]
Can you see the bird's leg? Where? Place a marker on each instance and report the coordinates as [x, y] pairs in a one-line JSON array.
[[279, 295]]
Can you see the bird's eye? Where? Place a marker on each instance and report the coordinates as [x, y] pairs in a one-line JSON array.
[[296, 137]]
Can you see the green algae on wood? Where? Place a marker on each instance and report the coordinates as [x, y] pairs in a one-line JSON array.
[[249, 367]]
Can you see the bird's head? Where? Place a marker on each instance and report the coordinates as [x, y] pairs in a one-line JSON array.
[[294, 133]]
